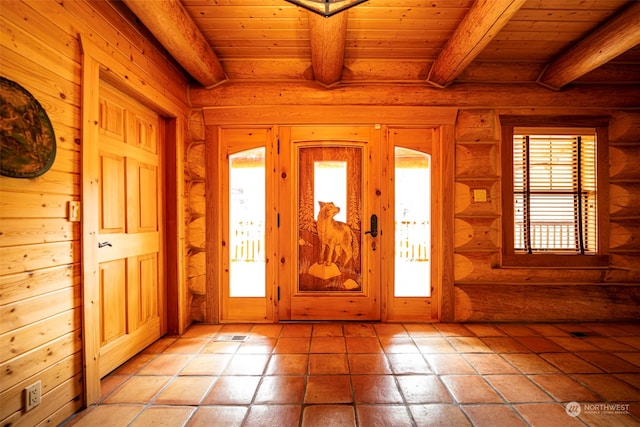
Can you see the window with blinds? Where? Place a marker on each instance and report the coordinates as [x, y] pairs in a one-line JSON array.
[[555, 191]]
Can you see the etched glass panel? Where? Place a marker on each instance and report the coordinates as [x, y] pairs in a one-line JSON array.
[[329, 219]]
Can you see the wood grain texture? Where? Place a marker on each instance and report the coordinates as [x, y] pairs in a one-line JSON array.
[[481, 24], [616, 36], [328, 39], [172, 25], [247, 94], [551, 303]]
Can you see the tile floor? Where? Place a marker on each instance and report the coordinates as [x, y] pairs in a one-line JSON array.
[[372, 374]]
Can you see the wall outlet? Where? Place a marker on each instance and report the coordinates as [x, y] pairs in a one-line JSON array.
[[32, 395]]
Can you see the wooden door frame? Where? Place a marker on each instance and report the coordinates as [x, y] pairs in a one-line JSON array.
[[97, 65], [443, 117]]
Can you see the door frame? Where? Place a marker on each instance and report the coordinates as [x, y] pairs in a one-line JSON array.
[[98, 65], [392, 116]]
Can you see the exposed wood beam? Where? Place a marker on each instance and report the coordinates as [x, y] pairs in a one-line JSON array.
[[610, 40], [328, 37], [173, 27], [464, 95], [480, 25]]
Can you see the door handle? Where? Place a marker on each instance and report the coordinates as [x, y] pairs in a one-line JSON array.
[[103, 244], [374, 226]]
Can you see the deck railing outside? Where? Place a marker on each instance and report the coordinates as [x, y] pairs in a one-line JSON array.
[[547, 236], [412, 241]]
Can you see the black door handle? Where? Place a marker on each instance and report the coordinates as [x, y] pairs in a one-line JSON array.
[[103, 244], [374, 226]]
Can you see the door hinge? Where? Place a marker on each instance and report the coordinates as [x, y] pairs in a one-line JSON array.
[[278, 220], [278, 147], [278, 293]]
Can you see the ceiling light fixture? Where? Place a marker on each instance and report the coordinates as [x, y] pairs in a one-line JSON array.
[[326, 8]]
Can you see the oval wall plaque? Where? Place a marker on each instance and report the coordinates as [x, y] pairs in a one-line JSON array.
[[27, 144]]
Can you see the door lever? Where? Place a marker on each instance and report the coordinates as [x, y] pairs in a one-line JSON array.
[[374, 226], [103, 244]]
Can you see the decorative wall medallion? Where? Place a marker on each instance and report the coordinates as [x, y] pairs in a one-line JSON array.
[[27, 144]]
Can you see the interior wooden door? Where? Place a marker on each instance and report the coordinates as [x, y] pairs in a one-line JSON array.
[[329, 205], [130, 260]]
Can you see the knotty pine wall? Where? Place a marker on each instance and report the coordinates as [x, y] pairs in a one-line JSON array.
[[40, 270]]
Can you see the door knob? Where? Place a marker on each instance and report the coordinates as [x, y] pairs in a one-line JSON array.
[[103, 244], [374, 226]]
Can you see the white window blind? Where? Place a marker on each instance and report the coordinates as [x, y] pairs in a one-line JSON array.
[[555, 204]]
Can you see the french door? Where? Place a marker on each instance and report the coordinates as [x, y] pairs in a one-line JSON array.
[[327, 223]]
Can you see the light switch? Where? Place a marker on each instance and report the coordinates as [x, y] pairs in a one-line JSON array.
[[479, 195], [74, 211]]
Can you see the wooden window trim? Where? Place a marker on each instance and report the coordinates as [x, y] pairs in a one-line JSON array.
[[509, 258]]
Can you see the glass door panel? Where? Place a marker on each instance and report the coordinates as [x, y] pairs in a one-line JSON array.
[[246, 223], [412, 269]]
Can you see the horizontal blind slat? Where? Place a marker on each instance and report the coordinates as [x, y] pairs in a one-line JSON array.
[[546, 200]]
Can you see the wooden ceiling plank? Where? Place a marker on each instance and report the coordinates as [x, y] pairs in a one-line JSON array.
[[481, 24], [607, 42], [175, 30], [328, 37]]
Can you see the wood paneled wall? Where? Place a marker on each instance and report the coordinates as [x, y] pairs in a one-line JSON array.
[[40, 270], [486, 292]]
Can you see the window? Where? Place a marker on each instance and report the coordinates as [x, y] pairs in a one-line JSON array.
[[553, 200]]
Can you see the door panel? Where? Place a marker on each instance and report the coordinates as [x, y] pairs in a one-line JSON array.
[[129, 253], [413, 289], [112, 293], [112, 194], [248, 236], [326, 204]]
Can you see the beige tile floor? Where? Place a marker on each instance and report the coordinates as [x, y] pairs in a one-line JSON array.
[[372, 374]]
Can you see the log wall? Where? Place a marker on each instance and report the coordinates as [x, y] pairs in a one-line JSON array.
[[482, 290], [486, 292], [40, 269], [195, 178]]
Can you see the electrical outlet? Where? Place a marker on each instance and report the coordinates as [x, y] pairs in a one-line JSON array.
[[32, 396]]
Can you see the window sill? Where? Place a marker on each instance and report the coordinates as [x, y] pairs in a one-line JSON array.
[[555, 261]]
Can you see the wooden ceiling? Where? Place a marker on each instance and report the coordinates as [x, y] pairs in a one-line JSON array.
[[436, 42]]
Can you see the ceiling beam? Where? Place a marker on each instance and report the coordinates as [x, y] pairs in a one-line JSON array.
[[523, 96], [480, 25], [328, 38], [173, 27], [610, 40]]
